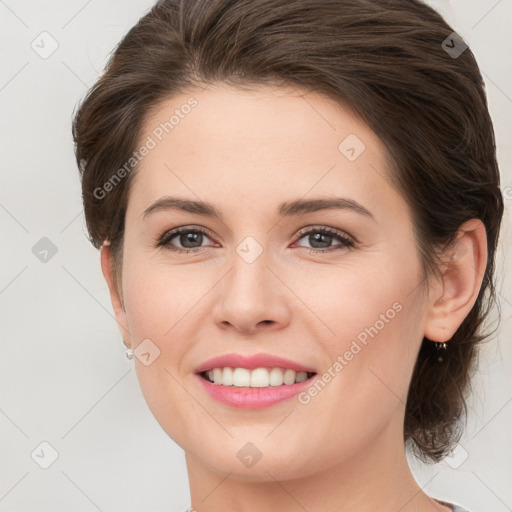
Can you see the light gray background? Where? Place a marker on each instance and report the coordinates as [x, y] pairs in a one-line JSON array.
[[64, 376]]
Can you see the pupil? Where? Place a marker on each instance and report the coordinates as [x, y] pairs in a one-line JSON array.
[[317, 238], [190, 237]]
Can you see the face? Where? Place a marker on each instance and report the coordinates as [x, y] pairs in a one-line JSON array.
[[335, 289]]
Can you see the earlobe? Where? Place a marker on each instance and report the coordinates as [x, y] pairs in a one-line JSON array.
[[115, 297], [455, 295]]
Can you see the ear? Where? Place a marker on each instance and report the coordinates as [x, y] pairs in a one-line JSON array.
[[452, 298], [115, 296]]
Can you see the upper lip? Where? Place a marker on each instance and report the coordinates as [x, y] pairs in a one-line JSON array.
[[252, 361]]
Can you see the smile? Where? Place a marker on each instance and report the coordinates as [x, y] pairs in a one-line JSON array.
[[253, 389], [256, 378]]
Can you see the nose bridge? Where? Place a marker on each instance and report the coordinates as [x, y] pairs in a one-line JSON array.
[[250, 292], [249, 277]]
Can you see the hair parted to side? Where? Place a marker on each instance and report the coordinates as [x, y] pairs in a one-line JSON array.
[[383, 58]]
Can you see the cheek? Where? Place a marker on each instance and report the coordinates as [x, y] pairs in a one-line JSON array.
[[361, 297], [159, 299], [161, 305], [375, 321], [363, 391]]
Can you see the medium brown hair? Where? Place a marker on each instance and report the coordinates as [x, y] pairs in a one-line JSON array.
[[386, 59]]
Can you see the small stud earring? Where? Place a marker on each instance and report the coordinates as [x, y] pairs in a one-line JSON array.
[[128, 351], [439, 347]]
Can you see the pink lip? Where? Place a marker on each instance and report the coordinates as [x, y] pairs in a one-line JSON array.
[[250, 362], [252, 398]]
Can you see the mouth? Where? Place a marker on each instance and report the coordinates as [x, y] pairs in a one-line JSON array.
[[256, 388], [263, 377]]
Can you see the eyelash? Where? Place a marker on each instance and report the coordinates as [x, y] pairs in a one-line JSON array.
[[164, 240]]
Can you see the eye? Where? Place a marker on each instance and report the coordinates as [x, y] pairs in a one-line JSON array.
[[190, 239], [322, 238]]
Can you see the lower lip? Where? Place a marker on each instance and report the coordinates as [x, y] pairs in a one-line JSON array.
[[253, 398]]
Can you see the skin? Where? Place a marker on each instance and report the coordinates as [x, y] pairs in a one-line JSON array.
[[246, 152]]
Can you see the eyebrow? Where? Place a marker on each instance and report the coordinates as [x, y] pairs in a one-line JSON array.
[[286, 209]]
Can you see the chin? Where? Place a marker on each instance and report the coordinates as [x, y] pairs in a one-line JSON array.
[[281, 466]]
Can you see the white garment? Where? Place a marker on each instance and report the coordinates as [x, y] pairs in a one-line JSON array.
[[453, 506]]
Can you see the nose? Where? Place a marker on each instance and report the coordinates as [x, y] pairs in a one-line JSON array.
[[252, 297]]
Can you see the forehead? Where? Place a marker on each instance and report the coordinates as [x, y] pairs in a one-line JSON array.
[[256, 145], [301, 120]]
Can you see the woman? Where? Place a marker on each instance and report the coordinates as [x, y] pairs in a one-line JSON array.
[[298, 208]]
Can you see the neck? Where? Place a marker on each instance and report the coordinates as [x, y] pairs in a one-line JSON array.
[[377, 477]]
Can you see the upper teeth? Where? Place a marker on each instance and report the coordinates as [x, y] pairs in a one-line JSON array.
[[257, 378]]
